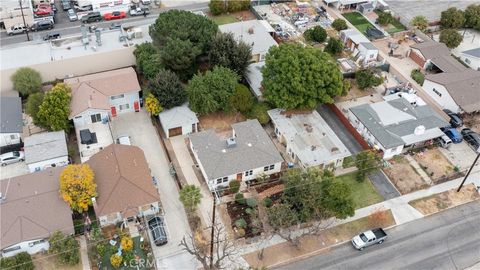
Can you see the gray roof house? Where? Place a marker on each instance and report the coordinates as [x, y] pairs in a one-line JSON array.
[[243, 154], [438, 54], [395, 123], [48, 149], [178, 120], [11, 115]]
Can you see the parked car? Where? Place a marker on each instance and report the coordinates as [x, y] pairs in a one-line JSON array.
[[455, 119], [114, 15], [66, 5], [159, 235], [42, 10], [84, 8], [368, 238], [51, 36], [453, 134], [444, 141], [472, 138], [17, 29], [92, 17], [42, 25], [146, 2], [137, 11], [72, 16], [12, 157]]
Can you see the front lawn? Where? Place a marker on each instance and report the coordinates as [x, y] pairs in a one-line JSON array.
[[360, 22], [138, 261], [224, 19], [363, 193], [394, 27]]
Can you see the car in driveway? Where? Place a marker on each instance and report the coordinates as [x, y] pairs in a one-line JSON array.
[[453, 134], [157, 228], [455, 119], [472, 138], [12, 157], [51, 36], [92, 17], [72, 16], [114, 15]]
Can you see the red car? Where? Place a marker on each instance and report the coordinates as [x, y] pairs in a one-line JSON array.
[[43, 10], [114, 15]]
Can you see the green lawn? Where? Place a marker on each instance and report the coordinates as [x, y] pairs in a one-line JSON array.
[[394, 27], [360, 22], [364, 193], [136, 250], [224, 19]]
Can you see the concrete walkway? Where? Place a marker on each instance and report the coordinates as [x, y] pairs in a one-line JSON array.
[[419, 170], [84, 253]]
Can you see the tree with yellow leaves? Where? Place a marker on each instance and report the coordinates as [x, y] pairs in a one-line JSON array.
[[116, 260], [126, 243], [153, 105], [77, 186]]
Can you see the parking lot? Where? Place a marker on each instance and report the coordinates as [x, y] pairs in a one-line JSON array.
[[143, 134]]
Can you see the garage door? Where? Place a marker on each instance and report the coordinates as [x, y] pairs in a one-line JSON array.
[[175, 131]]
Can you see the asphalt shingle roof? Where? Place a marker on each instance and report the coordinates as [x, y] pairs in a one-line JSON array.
[[45, 146]]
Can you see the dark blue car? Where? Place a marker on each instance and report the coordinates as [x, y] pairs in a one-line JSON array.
[[453, 134]]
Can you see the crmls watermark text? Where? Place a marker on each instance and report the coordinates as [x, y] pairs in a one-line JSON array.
[[142, 263]]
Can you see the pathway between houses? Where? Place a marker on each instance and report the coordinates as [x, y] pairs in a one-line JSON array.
[[84, 253]]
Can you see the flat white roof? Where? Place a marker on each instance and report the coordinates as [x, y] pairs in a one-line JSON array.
[[45, 146], [177, 117], [254, 77], [309, 136]]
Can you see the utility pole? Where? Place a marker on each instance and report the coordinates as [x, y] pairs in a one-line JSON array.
[[469, 170], [23, 18], [213, 230]]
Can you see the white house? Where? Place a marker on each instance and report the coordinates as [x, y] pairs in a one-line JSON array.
[[179, 120], [95, 99], [11, 123], [243, 155], [402, 121], [31, 210], [124, 185], [308, 139], [456, 91], [471, 58], [45, 150], [367, 52], [362, 49]]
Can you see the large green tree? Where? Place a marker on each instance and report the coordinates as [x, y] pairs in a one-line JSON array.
[[452, 18], [420, 22], [181, 57], [55, 108], [334, 46], [337, 198], [242, 99], [300, 77], [33, 106], [227, 52], [217, 7], [367, 162], [317, 34], [26, 81], [472, 16], [65, 247], [147, 59], [211, 92], [339, 24], [451, 37], [166, 86]]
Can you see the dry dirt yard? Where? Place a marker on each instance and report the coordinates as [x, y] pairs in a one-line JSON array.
[[354, 92], [447, 199], [404, 176], [472, 121], [435, 164], [220, 121], [49, 262]]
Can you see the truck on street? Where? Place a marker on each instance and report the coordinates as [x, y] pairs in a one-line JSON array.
[[368, 238]]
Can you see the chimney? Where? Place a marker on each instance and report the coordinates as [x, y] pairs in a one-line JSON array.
[[231, 142]]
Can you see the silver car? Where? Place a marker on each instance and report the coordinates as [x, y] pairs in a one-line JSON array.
[[72, 16], [12, 157]]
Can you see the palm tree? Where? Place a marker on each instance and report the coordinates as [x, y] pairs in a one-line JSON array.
[[190, 196]]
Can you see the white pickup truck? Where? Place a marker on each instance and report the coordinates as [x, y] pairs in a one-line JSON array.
[[368, 238], [138, 11]]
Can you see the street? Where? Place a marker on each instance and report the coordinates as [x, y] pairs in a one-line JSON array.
[[448, 240], [65, 27]]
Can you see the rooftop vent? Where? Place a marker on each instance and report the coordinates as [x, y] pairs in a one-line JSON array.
[[419, 130], [231, 142]]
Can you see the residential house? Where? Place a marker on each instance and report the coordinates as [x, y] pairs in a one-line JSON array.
[[349, 4], [432, 55], [366, 8], [471, 58], [456, 91], [11, 123], [308, 139], [95, 99], [402, 121], [243, 155], [258, 34], [363, 50], [124, 185], [31, 210], [45, 150], [179, 120]]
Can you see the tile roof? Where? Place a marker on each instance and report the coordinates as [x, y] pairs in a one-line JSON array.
[[253, 149], [32, 208], [92, 91], [123, 180], [45, 146], [11, 119]]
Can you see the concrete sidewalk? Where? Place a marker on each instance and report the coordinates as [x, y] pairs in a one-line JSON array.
[[84, 252]]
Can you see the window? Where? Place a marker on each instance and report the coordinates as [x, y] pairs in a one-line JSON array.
[[124, 107], [265, 168], [268, 168], [31, 244], [219, 181], [96, 118], [11, 249], [117, 97], [248, 173], [225, 179], [436, 92], [272, 166], [13, 136]]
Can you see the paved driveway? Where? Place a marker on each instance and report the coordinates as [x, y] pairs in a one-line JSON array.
[[143, 134], [379, 179], [13, 170]]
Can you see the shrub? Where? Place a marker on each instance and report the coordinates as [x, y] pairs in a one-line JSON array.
[[126, 243], [234, 186], [26, 81], [101, 249], [21, 261], [317, 34], [250, 211], [451, 38], [367, 78], [240, 232], [241, 223], [339, 24], [217, 7], [251, 202], [242, 99], [267, 202], [116, 260], [385, 18], [348, 162], [417, 76], [334, 46], [239, 198], [259, 112]]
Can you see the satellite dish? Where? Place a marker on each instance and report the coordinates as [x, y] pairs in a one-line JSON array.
[[419, 130]]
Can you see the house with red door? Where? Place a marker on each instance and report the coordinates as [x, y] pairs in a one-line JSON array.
[[96, 99]]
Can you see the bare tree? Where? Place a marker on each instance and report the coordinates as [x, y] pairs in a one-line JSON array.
[[223, 250]]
